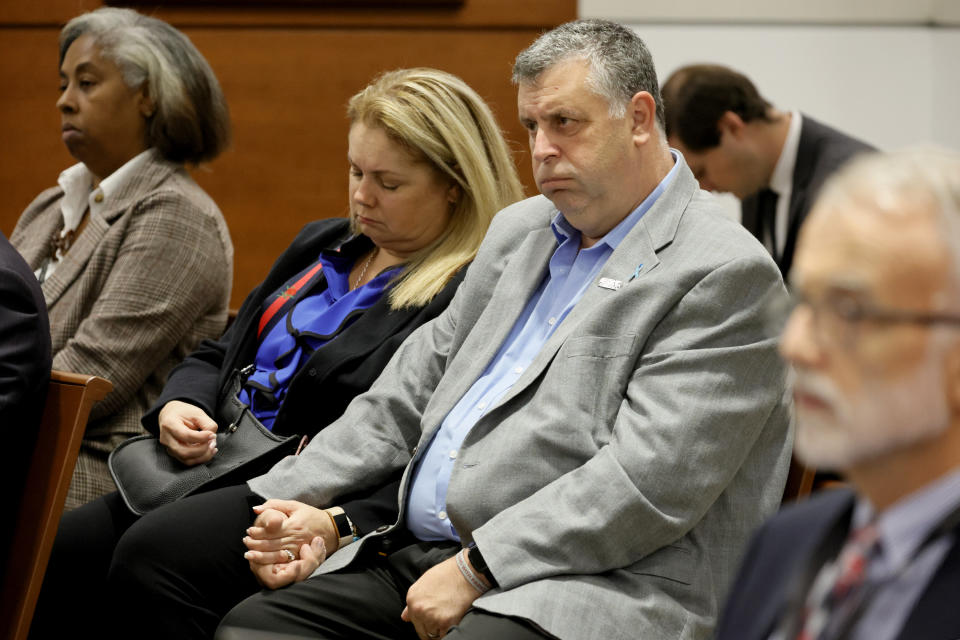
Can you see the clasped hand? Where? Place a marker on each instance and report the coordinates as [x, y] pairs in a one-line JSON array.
[[438, 600], [284, 528]]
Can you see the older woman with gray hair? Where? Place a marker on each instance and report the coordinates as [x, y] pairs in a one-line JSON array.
[[134, 258]]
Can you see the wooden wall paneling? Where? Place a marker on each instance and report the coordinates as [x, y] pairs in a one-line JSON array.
[[43, 12], [32, 154], [510, 14]]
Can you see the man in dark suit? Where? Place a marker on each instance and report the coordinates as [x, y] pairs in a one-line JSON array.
[[736, 141], [875, 344], [24, 371]]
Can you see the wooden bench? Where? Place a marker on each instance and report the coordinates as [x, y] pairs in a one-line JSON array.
[[799, 482], [70, 397]]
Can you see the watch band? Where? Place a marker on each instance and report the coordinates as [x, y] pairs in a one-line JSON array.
[[346, 530], [479, 564]]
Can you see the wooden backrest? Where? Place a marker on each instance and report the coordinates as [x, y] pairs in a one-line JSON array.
[[799, 482], [69, 399]]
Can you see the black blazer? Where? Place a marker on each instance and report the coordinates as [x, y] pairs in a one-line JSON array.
[[822, 150], [782, 550], [323, 387], [25, 360]]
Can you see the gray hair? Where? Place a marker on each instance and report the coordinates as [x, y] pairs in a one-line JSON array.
[[191, 122], [911, 178], [620, 63]]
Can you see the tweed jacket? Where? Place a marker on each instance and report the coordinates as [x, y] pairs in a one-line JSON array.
[[613, 486], [822, 150], [147, 279], [327, 382], [783, 549], [24, 371]]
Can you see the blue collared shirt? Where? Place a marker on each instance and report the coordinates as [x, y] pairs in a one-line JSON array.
[[571, 270]]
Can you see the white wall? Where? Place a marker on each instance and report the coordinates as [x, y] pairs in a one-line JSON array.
[[946, 90], [887, 71]]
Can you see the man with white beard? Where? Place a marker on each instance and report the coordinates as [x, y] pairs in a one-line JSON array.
[[874, 341]]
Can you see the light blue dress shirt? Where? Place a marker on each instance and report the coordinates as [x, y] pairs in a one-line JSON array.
[[571, 271]]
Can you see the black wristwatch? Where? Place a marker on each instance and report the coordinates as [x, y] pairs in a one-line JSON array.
[[479, 564], [346, 530]]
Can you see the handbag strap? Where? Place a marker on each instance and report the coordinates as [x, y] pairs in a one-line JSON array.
[[286, 295]]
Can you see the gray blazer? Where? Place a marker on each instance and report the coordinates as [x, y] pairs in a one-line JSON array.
[[147, 279], [613, 487]]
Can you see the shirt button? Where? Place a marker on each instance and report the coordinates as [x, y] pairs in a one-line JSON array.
[[518, 370], [552, 321], [312, 373], [442, 515], [98, 197], [453, 455], [482, 406]]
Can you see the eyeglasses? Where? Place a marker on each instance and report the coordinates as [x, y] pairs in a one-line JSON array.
[[837, 316]]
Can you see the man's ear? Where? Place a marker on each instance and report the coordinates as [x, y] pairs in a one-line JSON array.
[[643, 114], [732, 124]]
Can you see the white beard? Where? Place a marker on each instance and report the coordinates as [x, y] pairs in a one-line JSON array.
[[882, 417]]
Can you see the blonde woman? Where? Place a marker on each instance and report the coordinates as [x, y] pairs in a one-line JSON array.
[[428, 170]]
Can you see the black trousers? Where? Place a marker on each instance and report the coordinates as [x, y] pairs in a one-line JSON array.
[[177, 571], [171, 574], [362, 602]]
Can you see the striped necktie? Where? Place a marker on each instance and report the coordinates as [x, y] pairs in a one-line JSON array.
[[838, 588]]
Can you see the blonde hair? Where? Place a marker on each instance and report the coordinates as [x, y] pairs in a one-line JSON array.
[[436, 115]]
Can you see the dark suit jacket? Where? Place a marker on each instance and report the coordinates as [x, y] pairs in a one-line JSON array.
[[822, 151], [321, 390], [782, 549], [24, 371]]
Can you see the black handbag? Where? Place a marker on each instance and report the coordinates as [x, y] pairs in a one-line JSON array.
[[148, 477]]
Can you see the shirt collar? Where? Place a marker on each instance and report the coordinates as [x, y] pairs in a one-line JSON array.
[[906, 524], [79, 194], [781, 180], [564, 231]]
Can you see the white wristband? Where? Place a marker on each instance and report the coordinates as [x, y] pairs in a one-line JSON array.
[[464, 565]]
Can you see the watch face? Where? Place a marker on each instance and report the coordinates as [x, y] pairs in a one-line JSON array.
[[343, 525]]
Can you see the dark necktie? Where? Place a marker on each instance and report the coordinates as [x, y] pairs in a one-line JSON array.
[[767, 208], [839, 586]]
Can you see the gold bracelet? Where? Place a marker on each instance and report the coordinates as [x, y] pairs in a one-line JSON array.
[[347, 533], [333, 523]]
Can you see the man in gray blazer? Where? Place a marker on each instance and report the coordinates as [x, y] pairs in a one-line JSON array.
[[588, 433]]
